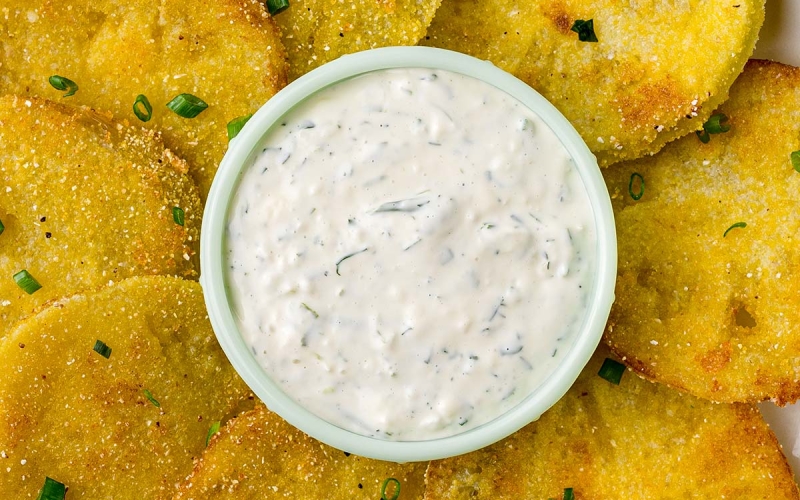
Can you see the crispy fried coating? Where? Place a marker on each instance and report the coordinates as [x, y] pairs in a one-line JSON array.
[[71, 414], [259, 455], [713, 314], [318, 31], [635, 440], [85, 201], [226, 52], [658, 70]]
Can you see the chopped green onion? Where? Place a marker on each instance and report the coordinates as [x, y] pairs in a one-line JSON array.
[[386, 484], [703, 136], [145, 115], [611, 371], [715, 124], [236, 125], [2, 227], [585, 30], [178, 215], [102, 349], [310, 310], [52, 490], [795, 156], [568, 494], [149, 396], [638, 195], [187, 105], [738, 224], [27, 282], [62, 83], [211, 431], [277, 6]]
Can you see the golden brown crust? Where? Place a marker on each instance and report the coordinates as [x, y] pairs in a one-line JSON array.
[[227, 52], [711, 314], [653, 75], [635, 440], [258, 455], [85, 420], [86, 200]]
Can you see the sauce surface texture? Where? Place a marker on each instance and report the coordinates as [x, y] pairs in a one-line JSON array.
[[410, 254]]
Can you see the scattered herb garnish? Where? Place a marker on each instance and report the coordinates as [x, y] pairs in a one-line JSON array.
[[211, 431], [62, 83], [52, 490], [2, 227], [236, 125], [102, 349], [386, 484], [585, 30], [149, 396], [714, 125], [611, 371], [277, 6], [187, 105], [795, 156], [347, 257], [178, 215], [409, 205], [738, 224], [568, 494], [638, 195], [309, 309], [27, 282], [141, 100]]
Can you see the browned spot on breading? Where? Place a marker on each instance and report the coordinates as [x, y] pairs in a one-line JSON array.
[[716, 359]]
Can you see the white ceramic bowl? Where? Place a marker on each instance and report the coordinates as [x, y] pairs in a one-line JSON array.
[[240, 155]]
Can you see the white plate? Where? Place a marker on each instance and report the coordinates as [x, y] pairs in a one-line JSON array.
[[780, 41]]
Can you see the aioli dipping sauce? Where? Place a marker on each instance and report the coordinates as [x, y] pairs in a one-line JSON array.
[[411, 253]]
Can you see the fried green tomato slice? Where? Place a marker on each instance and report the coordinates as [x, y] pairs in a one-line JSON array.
[[319, 31], [708, 285], [656, 72], [259, 455], [633, 440], [86, 200], [226, 52], [122, 422]]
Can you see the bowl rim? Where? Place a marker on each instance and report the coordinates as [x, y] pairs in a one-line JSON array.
[[213, 280]]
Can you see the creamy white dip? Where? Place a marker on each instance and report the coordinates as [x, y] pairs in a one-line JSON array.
[[411, 253]]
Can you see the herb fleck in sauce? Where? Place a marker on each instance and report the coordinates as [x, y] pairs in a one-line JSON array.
[[410, 253]]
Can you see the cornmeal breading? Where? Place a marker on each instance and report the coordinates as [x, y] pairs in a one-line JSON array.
[[656, 73], [86, 200], [713, 311]]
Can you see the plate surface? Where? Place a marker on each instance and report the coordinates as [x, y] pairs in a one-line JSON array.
[[780, 41]]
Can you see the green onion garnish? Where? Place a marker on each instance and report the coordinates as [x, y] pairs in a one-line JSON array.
[[585, 30], [703, 136], [178, 215], [611, 371], [386, 484], [187, 105], [795, 156], [568, 494], [211, 431], [715, 124], [638, 195], [236, 125], [102, 349], [738, 224], [277, 6], [27, 282], [141, 100], [52, 490], [149, 396], [62, 83], [2, 227]]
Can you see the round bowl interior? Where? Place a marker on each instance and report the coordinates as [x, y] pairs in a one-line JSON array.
[[213, 279]]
